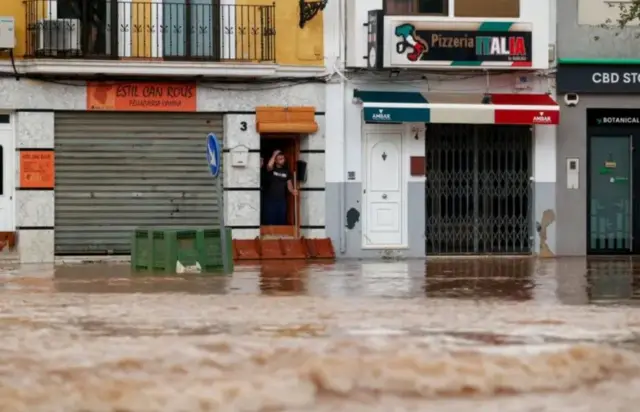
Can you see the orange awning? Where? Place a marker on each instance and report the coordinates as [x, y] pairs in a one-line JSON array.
[[279, 119]]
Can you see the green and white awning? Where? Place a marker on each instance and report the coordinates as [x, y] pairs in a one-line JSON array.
[[394, 107]]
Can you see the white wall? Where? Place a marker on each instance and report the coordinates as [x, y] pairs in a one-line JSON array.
[[544, 156], [335, 132], [553, 21], [597, 12], [356, 17], [334, 32]]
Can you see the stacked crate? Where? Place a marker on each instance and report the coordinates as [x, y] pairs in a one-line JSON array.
[[179, 250]]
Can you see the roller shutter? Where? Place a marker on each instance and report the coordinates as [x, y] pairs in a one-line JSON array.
[[119, 171]]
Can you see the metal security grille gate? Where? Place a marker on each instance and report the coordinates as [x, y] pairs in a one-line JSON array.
[[119, 171], [478, 189]]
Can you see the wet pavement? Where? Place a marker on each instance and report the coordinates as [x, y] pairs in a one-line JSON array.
[[508, 334]]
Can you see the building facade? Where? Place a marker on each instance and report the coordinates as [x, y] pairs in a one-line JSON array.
[[598, 84], [103, 130], [442, 131]]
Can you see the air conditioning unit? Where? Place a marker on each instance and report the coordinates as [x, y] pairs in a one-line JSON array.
[[58, 35], [7, 33]]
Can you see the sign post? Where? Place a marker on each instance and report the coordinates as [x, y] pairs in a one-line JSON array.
[[214, 152]]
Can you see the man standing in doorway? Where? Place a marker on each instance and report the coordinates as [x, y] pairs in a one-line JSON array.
[[279, 182], [263, 189]]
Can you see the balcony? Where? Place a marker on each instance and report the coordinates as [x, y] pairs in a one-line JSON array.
[[154, 37]]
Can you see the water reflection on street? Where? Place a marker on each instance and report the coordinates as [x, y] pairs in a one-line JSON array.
[[573, 281], [509, 334]]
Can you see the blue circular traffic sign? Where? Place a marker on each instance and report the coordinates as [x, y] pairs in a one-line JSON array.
[[213, 154]]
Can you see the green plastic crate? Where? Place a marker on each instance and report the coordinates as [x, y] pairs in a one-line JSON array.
[[160, 250]]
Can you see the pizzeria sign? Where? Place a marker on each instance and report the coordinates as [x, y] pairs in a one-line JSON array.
[[460, 44]]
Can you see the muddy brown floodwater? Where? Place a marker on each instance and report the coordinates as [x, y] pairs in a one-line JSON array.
[[448, 335]]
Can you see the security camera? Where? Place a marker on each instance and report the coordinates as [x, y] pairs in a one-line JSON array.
[[571, 99]]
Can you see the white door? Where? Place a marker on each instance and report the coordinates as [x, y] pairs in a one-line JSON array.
[[7, 175], [383, 190]]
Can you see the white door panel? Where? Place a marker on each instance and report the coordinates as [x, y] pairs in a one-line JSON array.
[[383, 189]]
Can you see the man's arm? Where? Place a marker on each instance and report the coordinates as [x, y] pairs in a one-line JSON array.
[[272, 161], [292, 189]]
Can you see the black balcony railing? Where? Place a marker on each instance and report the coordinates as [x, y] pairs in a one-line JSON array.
[[169, 30]]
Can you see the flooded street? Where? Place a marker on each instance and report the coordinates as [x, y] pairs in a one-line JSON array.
[[490, 334]]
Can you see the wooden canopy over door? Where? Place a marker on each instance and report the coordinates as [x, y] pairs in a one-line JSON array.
[[280, 119]]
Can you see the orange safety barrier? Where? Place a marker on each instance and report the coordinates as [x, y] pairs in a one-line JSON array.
[[8, 240], [320, 248], [270, 249], [246, 249], [293, 249]]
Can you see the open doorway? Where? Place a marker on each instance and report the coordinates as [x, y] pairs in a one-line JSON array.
[[289, 145]]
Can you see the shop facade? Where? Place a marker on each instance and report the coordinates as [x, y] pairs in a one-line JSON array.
[[93, 161], [445, 172], [449, 128], [598, 173]]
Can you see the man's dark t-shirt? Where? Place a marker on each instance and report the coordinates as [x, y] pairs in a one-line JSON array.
[[264, 179], [277, 183]]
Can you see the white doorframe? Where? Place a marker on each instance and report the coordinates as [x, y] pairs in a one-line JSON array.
[[228, 41], [52, 13], [402, 130], [7, 198], [157, 39], [124, 38]]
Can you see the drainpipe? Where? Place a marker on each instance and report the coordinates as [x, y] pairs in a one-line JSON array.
[[343, 87], [343, 197]]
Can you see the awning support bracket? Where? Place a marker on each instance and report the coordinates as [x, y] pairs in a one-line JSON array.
[[309, 10]]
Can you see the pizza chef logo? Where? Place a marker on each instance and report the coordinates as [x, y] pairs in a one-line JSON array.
[[409, 40]]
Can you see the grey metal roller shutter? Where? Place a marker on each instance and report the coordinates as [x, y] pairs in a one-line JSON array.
[[119, 171]]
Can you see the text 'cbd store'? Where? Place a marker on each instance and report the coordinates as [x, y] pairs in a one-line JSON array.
[[461, 162]]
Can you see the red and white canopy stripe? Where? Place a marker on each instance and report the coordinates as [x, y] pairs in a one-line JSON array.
[[514, 109]]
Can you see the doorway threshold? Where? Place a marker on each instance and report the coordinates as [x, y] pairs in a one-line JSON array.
[[274, 232]]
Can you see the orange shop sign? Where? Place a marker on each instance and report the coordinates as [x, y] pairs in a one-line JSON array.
[[37, 169], [142, 97]]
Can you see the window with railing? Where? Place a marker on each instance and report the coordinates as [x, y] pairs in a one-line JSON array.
[[461, 8], [151, 29]]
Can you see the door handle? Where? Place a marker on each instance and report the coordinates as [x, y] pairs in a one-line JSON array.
[[384, 196]]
